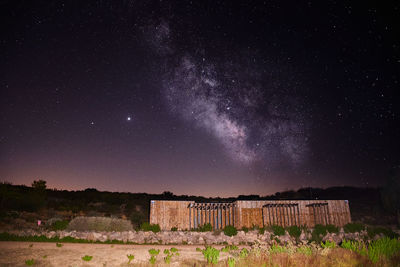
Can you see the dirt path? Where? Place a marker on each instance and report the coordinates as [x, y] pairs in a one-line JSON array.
[[70, 254]]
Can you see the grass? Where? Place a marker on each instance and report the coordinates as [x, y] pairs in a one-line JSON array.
[[373, 231], [294, 231], [305, 250], [173, 250], [167, 259], [328, 244], [277, 230], [59, 225], [384, 247], [59, 245]]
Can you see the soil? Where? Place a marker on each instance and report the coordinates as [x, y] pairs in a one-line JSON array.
[[70, 254]]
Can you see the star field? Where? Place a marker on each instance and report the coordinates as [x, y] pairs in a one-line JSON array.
[[199, 97]]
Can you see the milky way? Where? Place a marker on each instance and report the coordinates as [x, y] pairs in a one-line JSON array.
[[246, 109]]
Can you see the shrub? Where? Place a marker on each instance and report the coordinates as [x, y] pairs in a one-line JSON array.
[[245, 229], [330, 228], [205, 228], [372, 231], [174, 229], [155, 228], [278, 230], [30, 262], [154, 252], [152, 259], [356, 246], [261, 230], [384, 247], [59, 245], [230, 230], [319, 230], [294, 231], [87, 258], [59, 225], [166, 251], [199, 249], [173, 250], [328, 244], [305, 250], [99, 224], [211, 255], [353, 227], [130, 258]]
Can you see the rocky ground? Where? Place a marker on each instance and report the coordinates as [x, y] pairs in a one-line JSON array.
[[192, 238]]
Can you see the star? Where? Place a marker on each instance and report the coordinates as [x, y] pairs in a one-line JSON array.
[[129, 118]]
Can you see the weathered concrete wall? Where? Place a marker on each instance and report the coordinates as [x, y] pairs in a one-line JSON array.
[[170, 214], [242, 213]]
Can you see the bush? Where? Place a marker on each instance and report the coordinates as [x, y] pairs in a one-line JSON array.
[[278, 230], [87, 258], [59, 225], [277, 249], [211, 255], [173, 250], [155, 228], [353, 227], [373, 231], [130, 258], [231, 262], [204, 228], [30, 262], [230, 230], [294, 231], [330, 228], [152, 259], [261, 230], [99, 224], [174, 229], [245, 229]]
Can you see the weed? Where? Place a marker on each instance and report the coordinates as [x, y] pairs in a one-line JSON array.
[[231, 262], [87, 258], [177, 254], [166, 251], [261, 230], [353, 227], [130, 258], [45, 256], [328, 244], [30, 262], [211, 255], [59, 245], [167, 259], [152, 259], [230, 230], [199, 249], [243, 253], [294, 231], [154, 252], [173, 250], [174, 229], [245, 229], [305, 250]]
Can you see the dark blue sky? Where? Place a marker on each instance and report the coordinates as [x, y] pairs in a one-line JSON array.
[[199, 97]]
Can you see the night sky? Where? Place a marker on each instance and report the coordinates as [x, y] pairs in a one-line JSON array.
[[213, 98]]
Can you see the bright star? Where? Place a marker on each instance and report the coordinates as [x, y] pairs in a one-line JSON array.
[[129, 118]]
